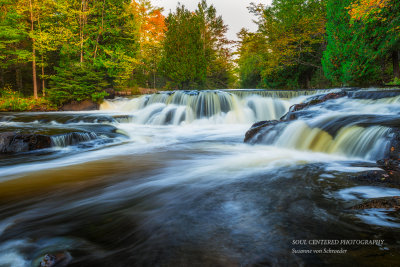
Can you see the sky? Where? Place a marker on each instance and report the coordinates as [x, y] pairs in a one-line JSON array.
[[234, 12]]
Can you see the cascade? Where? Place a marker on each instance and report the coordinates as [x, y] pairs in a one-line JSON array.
[[71, 139], [347, 126], [188, 106]]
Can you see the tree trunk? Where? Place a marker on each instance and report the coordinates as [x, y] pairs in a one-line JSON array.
[[396, 67], [101, 30], [43, 82], [18, 78], [33, 55], [2, 83], [82, 22]]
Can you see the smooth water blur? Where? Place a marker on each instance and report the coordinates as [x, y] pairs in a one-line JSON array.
[[166, 180]]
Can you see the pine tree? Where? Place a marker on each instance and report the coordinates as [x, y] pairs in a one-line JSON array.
[[184, 61]]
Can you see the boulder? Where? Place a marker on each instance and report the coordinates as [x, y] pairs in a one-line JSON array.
[[84, 105], [312, 101], [379, 203], [11, 142]]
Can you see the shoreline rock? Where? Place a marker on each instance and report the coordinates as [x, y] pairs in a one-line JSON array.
[[85, 105], [11, 142]]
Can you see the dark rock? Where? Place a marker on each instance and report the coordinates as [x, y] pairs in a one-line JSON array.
[[378, 177], [389, 165], [291, 115], [312, 101], [56, 260], [11, 142], [256, 127], [84, 105], [394, 153], [110, 92], [379, 203], [379, 94]]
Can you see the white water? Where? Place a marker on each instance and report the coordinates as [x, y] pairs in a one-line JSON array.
[[222, 108], [204, 107]]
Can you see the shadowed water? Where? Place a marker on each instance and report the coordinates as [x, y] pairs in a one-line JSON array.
[[163, 182]]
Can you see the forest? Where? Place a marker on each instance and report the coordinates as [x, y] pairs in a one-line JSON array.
[[58, 51]]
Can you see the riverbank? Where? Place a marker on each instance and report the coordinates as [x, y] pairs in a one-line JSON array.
[[11, 101]]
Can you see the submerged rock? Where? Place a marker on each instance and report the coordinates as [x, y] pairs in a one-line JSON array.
[[84, 105], [379, 203], [56, 260], [256, 128], [11, 142]]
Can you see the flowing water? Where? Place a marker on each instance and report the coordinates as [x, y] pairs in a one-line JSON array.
[[166, 180]]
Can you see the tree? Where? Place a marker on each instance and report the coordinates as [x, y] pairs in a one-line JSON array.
[[102, 38], [291, 35], [184, 62], [360, 37], [195, 49], [381, 19], [13, 48], [252, 55], [152, 30], [215, 46]]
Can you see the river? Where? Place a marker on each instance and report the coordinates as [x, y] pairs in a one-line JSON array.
[[166, 180]]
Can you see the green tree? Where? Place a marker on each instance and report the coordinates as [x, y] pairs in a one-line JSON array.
[[252, 55], [14, 50], [102, 38], [77, 83], [381, 23], [184, 61], [291, 36], [215, 47], [348, 59]]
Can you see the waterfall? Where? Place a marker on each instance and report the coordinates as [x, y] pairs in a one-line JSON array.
[[359, 125], [71, 139], [350, 141], [212, 106]]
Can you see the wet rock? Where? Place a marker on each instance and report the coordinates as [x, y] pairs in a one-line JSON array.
[[293, 114], [378, 177], [390, 165], [56, 260], [394, 151], [312, 101], [256, 128], [379, 203], [389, 175], [11, 142], [379, 94], [80, 106]]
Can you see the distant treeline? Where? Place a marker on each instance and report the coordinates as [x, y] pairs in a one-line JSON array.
[[75, 49], [321, 43]]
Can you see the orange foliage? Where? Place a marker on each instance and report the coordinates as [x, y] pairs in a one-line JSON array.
[[363, 9], [152, 22]]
